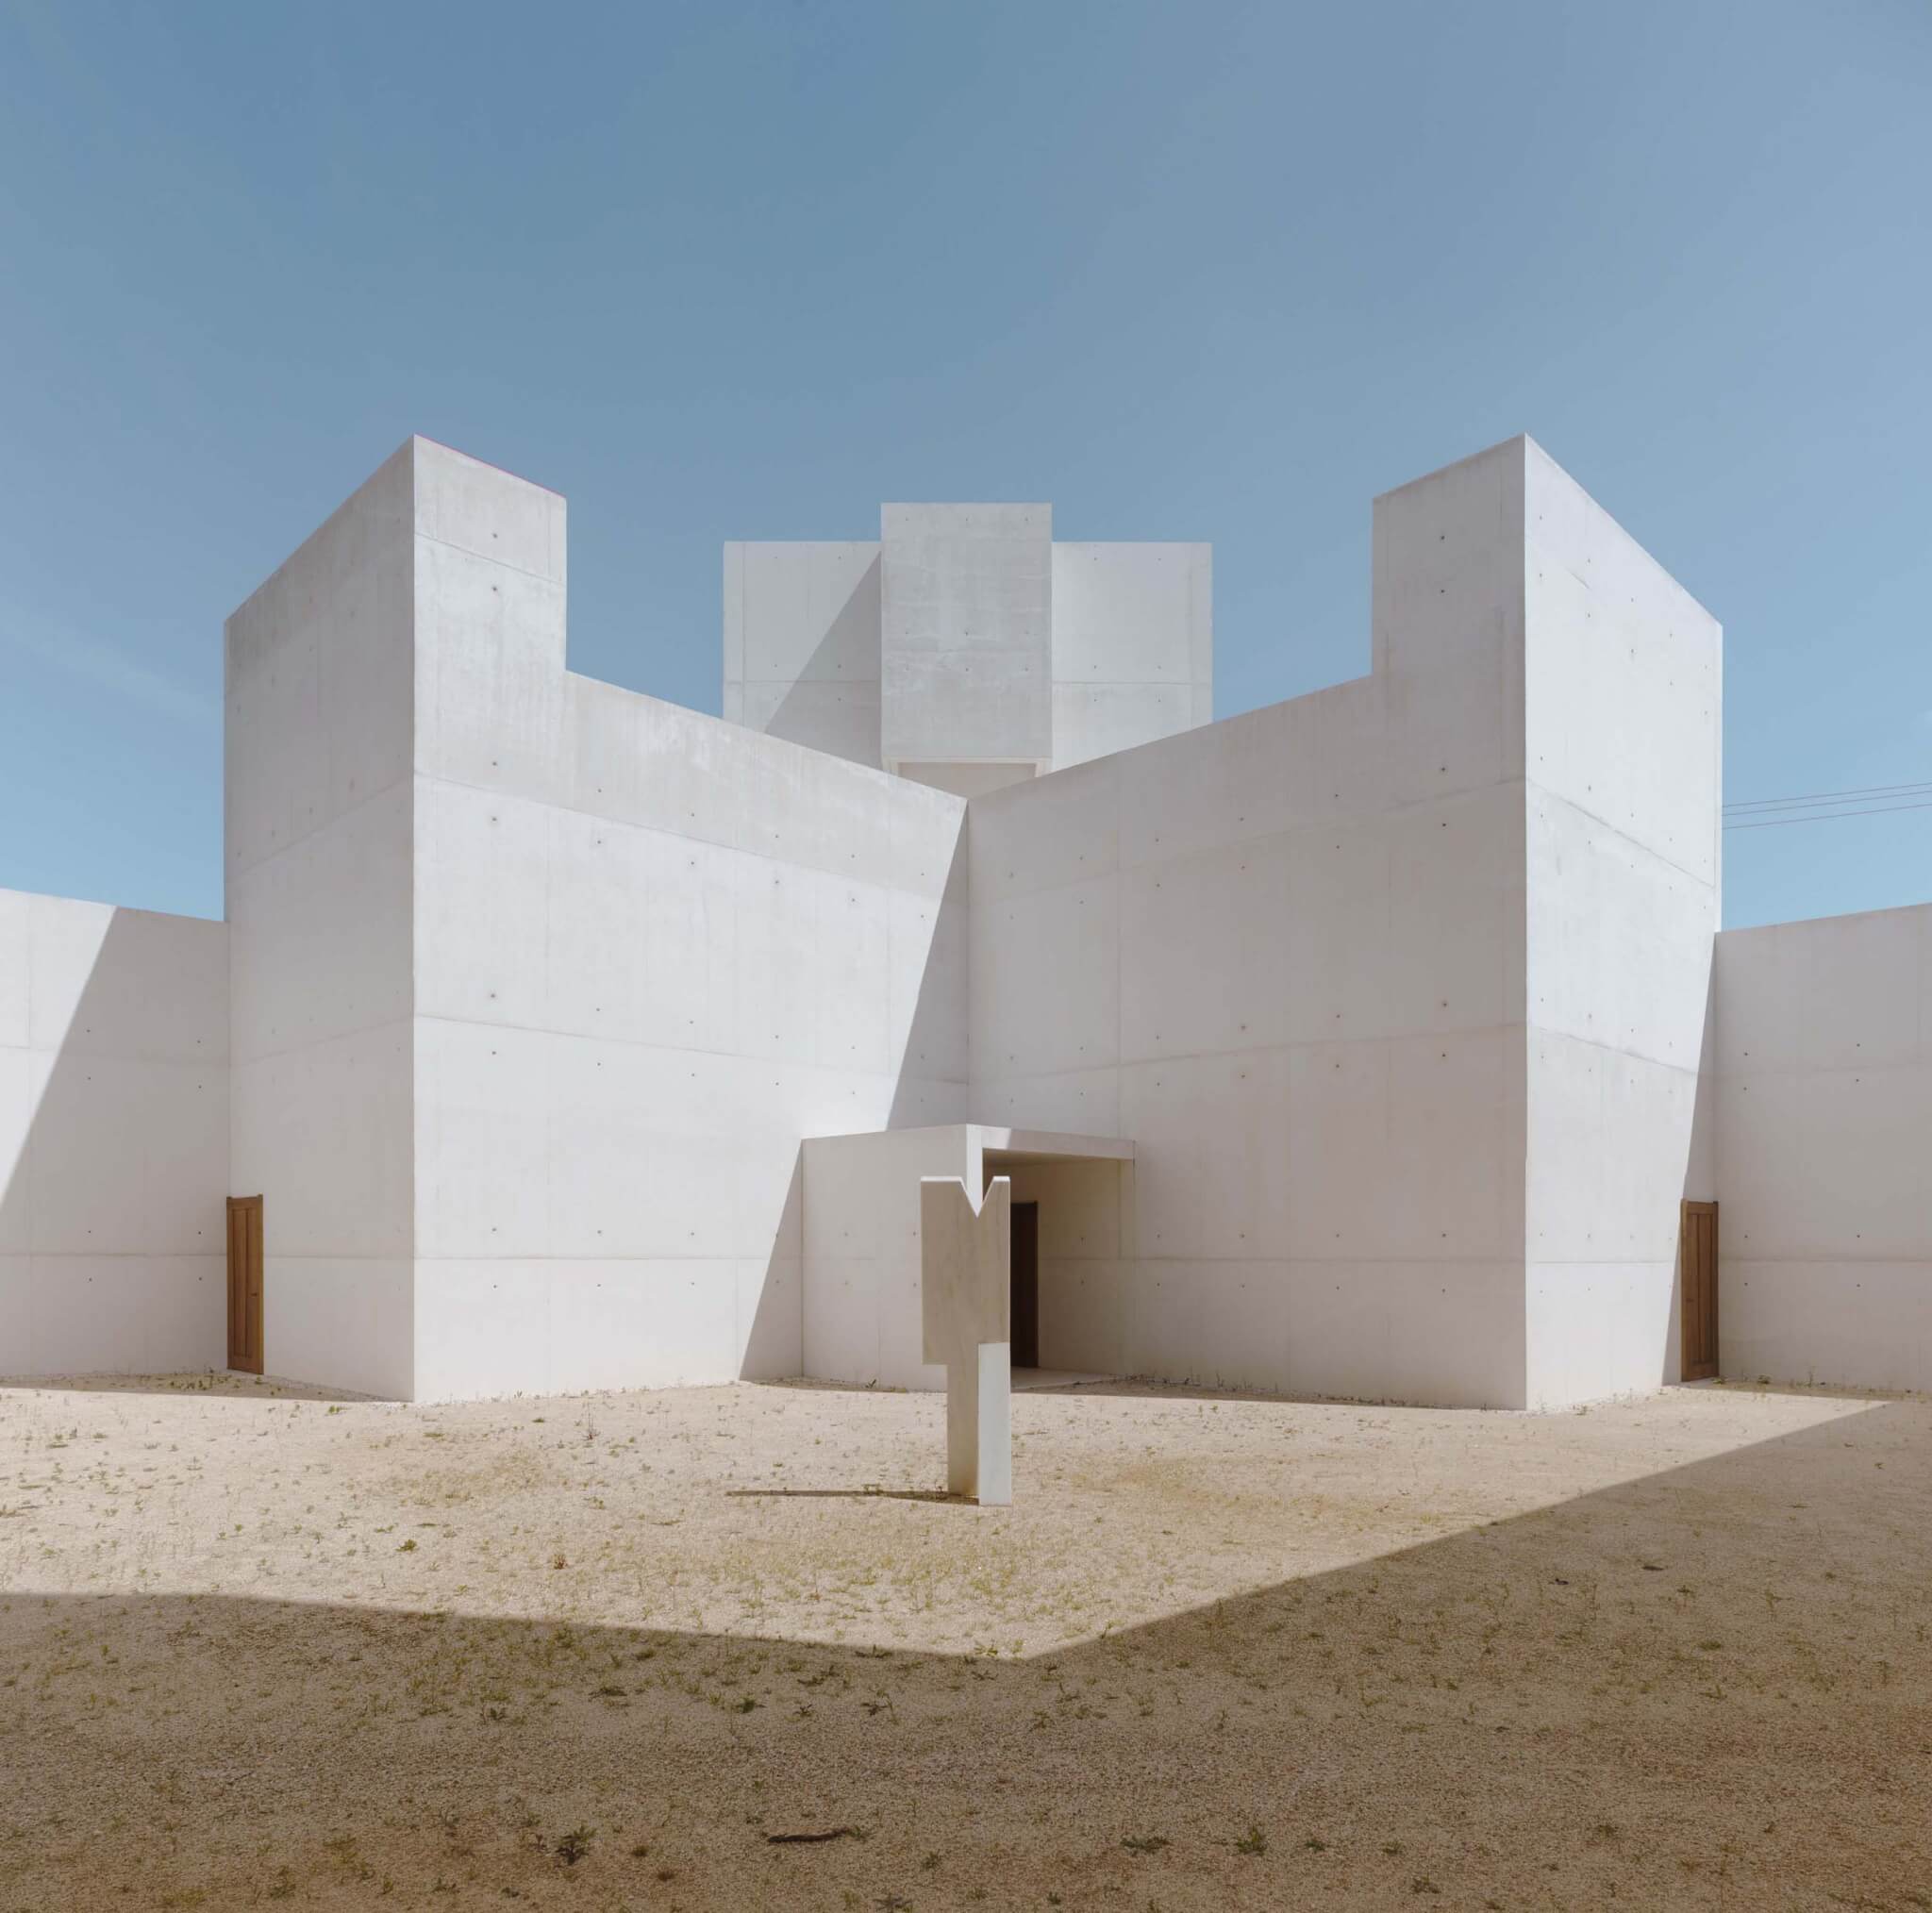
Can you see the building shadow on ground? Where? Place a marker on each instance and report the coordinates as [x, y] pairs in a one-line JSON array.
[[1710, 1686]]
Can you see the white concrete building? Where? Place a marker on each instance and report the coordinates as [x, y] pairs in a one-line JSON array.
[[1372, 1044]]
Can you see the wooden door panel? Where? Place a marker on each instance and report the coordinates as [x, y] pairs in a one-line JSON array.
[[255, 1288], [1697, 1267], [244, 1284]]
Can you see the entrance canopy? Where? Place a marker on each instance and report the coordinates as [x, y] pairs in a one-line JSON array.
[[860, 1292]]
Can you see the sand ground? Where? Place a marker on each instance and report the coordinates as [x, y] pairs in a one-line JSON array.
[[259, 1645]]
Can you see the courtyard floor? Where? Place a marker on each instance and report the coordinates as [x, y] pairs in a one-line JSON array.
[[723, 1647]]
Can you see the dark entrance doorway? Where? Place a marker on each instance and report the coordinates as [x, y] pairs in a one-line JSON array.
[[1025, 1329], [1697, 1272]]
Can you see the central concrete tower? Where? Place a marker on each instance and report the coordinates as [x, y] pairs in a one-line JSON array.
[[966, 648]]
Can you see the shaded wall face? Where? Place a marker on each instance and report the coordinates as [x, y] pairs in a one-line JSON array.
[[1284, 955], [653, 951], [1623, 738], [1086, 1228], [320, 846], [802, 644], [113, 1139], [1825, 1150]]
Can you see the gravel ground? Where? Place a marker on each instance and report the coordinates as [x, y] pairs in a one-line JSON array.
[[258, 1644]]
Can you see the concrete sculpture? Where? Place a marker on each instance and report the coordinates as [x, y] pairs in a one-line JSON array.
[[966, 1304]]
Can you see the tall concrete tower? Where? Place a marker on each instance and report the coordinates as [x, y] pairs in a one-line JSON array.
[[965, 648]]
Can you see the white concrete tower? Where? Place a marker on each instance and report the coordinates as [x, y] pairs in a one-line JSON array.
[[966, 643], [966, 649]]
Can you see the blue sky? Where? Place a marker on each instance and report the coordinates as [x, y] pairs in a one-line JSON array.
[[1187, 271]]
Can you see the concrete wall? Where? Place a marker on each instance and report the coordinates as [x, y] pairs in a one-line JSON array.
[[802, 644], [653, 951], [862, 1284], [321, 820], [1624, 707], [964, 779], [966, 618], [1133, 645], [1284, 955], [1825, 1150], [113, 1139]]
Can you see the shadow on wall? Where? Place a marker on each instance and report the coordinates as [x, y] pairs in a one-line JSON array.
[[934, 1067], [1700, 1179], [930, 1088], [848, 656], [773, 1346], [1601, 1691], [114, 1144]]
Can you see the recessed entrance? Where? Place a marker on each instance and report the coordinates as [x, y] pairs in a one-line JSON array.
[[1697, 1272], [244, 1284], [1025, 1325], [861, 1313]]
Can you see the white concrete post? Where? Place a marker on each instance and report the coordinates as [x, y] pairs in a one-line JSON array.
[[965, 1303]]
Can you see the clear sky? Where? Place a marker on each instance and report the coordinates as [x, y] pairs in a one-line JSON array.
[[1187, 271]]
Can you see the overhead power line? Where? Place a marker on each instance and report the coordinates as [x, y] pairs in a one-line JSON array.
[[1827, 816], [1829, 796]]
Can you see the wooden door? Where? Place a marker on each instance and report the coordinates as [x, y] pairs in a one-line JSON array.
[[1025, 1329], [1697, 1271], [244, 1283]]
